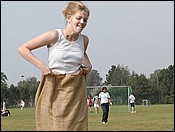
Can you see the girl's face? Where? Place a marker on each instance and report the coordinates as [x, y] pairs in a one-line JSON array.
[[104, 90], [78, 21]]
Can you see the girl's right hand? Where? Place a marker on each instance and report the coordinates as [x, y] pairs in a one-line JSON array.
[[45, 70]]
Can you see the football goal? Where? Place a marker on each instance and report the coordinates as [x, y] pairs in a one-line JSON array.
[[119, 94]]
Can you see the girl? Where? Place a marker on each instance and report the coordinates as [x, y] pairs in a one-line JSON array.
[[61, 96]]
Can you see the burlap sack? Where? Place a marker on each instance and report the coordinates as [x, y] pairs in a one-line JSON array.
[[61, 103]]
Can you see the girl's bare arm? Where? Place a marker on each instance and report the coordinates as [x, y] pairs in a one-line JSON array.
[[45, 39]]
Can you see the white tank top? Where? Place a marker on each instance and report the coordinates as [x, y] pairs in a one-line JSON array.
[[66, 56]]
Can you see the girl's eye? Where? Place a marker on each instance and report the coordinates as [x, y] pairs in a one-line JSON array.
[[78, 18]]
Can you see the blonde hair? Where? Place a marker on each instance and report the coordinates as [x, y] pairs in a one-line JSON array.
[[73, 7]]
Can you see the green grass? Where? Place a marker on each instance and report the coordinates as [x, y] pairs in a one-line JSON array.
[[147, 118], [19, 120]]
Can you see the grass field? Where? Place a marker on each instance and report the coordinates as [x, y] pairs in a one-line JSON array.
[[147, 118]]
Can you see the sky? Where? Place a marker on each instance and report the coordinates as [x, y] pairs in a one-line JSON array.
[[134, 34]]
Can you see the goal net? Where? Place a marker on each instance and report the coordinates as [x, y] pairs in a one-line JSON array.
[[119, 94]]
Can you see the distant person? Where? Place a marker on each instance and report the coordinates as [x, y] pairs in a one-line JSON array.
[[105, 100], [5, 113], [3, 106], [22, 104], [90, 103], [61, 98], [132, 103], [96, 103]]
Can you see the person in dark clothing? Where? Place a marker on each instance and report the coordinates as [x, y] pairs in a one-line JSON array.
[[105, 100]]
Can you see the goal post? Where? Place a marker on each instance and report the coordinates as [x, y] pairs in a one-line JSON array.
[[119, 94]]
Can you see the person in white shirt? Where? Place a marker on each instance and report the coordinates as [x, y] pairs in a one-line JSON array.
[[22, 104], [96, 103], [61, 97], [132, 103], [3, 107], [105, 100]]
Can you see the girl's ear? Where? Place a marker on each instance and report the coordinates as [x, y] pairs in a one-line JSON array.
[[68, 19]]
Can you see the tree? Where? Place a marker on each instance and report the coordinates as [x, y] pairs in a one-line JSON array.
[[3, 79], [93, 78], [33, 85], [4, 86], [14, 96], [143, 91], [28, 90], [140, 87], [166, 80], [154, 87], [162, 85], [117, 76]]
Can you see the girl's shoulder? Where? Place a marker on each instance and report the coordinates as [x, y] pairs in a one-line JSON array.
[[54, 36]]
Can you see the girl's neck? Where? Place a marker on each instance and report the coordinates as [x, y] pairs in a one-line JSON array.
[[69, 35]]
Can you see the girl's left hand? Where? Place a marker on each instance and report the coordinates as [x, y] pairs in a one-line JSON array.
[[85, 70]]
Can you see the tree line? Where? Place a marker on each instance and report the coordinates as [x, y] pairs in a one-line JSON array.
[[158, 87]]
